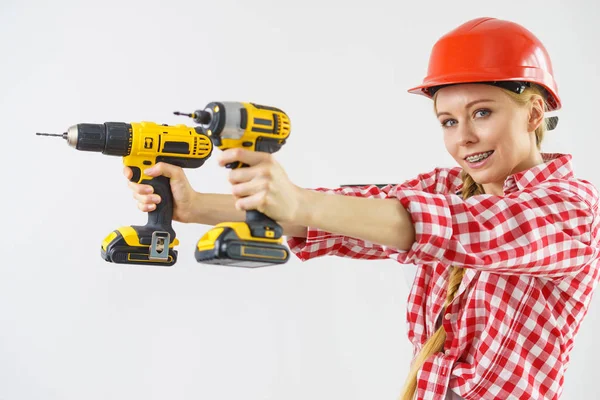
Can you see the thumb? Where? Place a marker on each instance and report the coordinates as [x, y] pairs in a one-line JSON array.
[[127, 172], [170, 171]]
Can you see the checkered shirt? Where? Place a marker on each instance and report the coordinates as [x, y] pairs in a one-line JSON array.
[[531, 267]]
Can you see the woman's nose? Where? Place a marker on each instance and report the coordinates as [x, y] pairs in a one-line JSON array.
[[466, 134]]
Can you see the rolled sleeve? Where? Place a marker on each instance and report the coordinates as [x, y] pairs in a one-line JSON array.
[[432, 220], [542, 231], [318, 243]]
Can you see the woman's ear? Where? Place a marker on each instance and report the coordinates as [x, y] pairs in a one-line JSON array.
[[536, 114]]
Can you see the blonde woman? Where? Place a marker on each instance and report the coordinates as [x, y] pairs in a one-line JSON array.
[[505, 243]]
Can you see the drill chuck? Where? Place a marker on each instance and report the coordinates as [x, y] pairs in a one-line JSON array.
[[202, 117], [110, 138]]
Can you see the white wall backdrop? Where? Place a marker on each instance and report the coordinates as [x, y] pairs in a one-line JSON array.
[[75, 327]]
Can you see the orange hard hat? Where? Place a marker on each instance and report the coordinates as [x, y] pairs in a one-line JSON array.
[[493, 51]]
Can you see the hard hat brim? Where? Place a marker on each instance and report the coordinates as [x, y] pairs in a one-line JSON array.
[[527, 74]]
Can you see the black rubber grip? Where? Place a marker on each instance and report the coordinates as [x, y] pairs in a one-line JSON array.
[[162, 215], [258, 222], [268, 145], [160, 219]]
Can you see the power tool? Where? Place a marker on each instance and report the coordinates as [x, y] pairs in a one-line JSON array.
[[142, 145], [257, 242]]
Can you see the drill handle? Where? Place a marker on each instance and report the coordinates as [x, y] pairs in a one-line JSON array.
[[160, 219], [263, 226], [260, 225], [236, 165]]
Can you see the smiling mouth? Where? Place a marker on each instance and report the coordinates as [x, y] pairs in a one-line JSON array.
[[479, 156]]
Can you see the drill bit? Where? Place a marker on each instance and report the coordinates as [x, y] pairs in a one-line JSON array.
[[64, 135], [199, 116], [185, 114]]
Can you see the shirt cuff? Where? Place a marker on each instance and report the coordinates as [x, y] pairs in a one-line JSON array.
[[316, 243]]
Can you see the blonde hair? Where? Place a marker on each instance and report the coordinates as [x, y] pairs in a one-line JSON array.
[[435, 343]]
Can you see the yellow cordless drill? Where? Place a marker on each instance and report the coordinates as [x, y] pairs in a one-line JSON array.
[[142, 145], [258, 241]]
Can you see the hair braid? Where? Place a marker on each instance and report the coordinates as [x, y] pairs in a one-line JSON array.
[[435, 343]]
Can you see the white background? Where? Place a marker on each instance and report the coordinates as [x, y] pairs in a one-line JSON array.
[[75, 327]]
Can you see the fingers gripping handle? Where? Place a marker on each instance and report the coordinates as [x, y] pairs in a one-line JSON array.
[[260, 225], [160, 219], [158, 232]]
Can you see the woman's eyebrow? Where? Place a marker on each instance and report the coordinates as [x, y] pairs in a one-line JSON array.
[[467, 106]]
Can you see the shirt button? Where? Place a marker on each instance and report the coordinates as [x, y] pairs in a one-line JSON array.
[[447, 352], [448, 316]]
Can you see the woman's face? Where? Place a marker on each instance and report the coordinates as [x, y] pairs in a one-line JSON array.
[[487, 133]]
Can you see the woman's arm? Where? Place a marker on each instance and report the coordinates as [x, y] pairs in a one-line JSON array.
[[212, 209], [319, 242], [382, 221]]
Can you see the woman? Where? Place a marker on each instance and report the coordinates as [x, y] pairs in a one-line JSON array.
[[506, 243]]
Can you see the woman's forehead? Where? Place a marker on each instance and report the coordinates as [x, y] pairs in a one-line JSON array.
[[463, 94]]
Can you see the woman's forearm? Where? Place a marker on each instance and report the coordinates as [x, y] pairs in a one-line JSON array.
[[214, 208], [381, 221]]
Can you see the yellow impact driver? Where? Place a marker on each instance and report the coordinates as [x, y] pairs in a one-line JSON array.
[[257, 242], [142, 145]]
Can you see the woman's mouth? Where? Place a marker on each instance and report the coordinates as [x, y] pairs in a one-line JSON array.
[[478, 160]]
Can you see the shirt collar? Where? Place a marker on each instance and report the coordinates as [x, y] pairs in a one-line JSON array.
[[554, 166]]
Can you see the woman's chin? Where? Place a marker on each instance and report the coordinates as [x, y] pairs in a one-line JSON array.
[[494, 182], [481, 177]]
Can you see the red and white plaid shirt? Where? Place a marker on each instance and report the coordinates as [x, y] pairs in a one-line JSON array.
[[531, 259]]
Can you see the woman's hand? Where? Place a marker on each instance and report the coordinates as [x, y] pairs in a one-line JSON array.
[[263, 185], [183, 193]]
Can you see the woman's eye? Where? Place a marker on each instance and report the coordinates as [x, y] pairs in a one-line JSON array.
[[482, 113], [448, 123]]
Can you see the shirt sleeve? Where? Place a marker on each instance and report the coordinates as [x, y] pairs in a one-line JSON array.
[[547, 230], [318, 243]]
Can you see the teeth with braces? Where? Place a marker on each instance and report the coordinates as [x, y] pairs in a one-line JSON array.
[[479, 157]]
